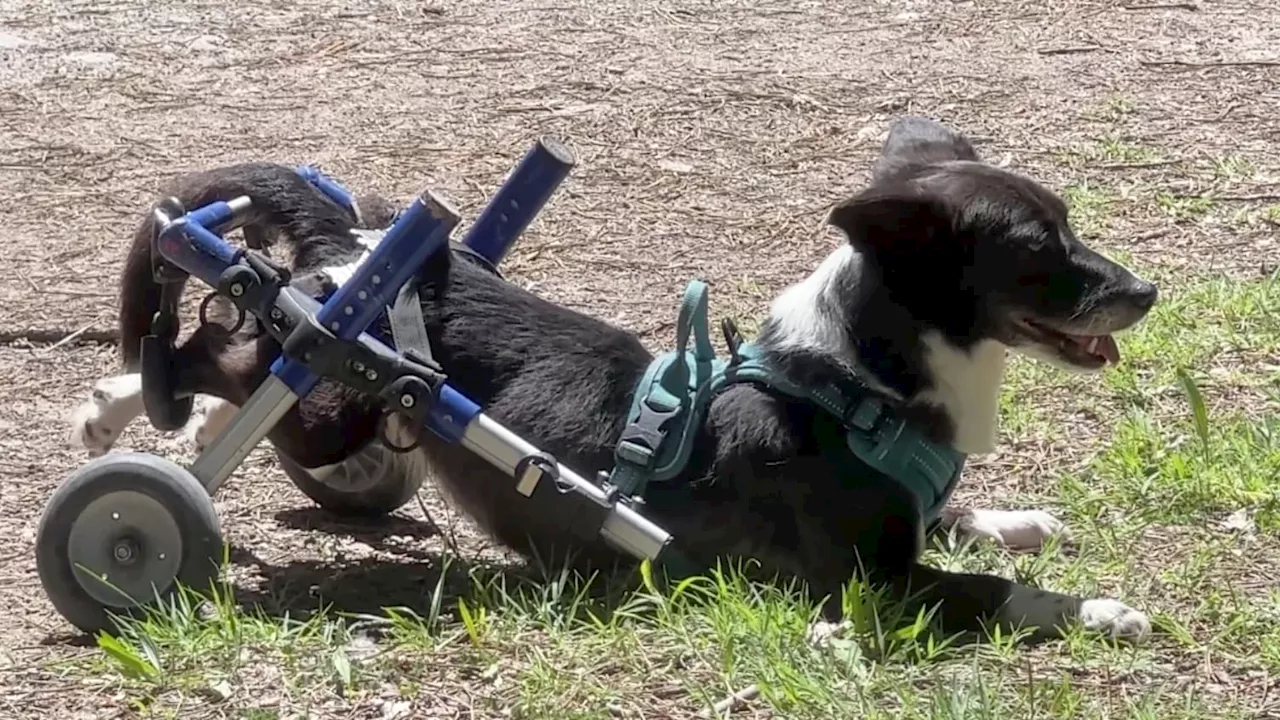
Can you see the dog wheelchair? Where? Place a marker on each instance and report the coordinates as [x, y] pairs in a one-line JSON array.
[[126, 528]]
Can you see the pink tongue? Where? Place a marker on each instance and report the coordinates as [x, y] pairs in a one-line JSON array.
[[1106, 347]]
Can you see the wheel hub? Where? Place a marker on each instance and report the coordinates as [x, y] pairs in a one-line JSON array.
[[124, 548], [125, 551]]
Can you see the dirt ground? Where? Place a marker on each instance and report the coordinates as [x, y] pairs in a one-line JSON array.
[[712, 135]]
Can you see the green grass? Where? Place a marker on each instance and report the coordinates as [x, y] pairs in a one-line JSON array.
[[545, 651], [1156, 454]]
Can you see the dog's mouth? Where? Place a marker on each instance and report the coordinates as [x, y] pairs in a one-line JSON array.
[[1085, 351]]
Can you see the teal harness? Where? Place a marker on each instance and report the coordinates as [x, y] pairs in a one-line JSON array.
[[671, 402]]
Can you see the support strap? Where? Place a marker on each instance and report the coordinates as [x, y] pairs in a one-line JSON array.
[[408, 327]]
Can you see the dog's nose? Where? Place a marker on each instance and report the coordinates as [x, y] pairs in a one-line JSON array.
[[1144, 294]]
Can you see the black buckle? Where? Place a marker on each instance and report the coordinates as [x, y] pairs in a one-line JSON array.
[[641, 438]]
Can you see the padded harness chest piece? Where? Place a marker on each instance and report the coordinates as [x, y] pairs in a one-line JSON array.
[[671, 402]]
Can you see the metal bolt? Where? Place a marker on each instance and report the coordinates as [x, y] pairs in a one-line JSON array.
[[407, 401], [357, 366], [237, 290], [377, 279], [335, 325], [124, 551], [371, 375], [362, 295], [276, 314], [348, 310]]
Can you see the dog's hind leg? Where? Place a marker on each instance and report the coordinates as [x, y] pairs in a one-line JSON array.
[[115, 402], [1021, 530], [208, 421]]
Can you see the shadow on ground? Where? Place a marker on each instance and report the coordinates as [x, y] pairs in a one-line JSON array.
[[400, 573]]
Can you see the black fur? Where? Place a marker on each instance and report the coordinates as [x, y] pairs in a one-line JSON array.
[[947, 244]]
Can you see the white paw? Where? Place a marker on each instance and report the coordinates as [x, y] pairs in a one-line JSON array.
[[1114, 619], [822, 632], [209, 418], [1015, 529], [97, 423]]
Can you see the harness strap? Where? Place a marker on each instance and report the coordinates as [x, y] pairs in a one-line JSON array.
[[408, 326], [874, 432], [668, 394], [669, 405]]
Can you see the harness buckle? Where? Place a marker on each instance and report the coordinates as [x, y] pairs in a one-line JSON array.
[[641, 439]]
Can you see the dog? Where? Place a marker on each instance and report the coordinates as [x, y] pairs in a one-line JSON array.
[[947, 264]]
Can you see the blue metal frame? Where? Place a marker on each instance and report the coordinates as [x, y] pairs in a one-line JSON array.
[[420, 231], [193, 244], [520, 199]]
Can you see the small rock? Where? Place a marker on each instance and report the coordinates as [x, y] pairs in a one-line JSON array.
[[395, 709], [90, 58], [1239, 521], [9, 41], [205, 43]]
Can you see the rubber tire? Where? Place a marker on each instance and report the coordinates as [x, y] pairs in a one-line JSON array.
[[392, 490], [164, 481]]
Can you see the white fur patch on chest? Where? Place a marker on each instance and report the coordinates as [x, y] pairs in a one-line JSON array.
[[369, 239], [967, 387]]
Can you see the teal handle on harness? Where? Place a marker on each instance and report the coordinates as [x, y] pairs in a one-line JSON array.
[[666, 412]]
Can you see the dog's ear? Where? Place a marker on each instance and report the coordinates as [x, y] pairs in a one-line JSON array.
[[917, 142], [894, 227]]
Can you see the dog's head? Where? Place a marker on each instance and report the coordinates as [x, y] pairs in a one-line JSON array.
[[979, 252]]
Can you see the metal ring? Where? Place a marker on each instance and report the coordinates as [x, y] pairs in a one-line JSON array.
[[204, 314], [399, 449]]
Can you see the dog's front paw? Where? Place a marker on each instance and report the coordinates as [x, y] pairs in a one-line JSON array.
[[1014, 529], [1114, 619], [822, 632], [210, 418], [97, 423]]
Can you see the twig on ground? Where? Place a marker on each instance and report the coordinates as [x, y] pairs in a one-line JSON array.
[[733, 702], [1163, 6], [54, 335], [1259, 197], [1214, 64], [69, 338], [1068, 50], [1139, 165]]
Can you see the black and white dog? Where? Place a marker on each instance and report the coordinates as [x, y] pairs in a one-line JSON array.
[[949, 263]]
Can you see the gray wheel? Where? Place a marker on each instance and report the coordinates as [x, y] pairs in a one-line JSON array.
[[118, 534], [373, 482]]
